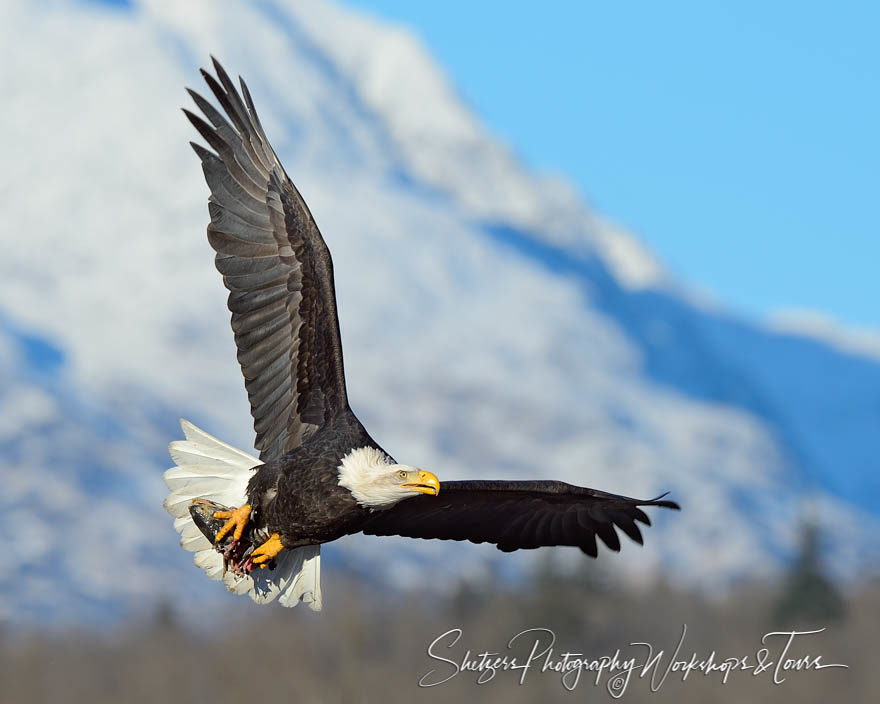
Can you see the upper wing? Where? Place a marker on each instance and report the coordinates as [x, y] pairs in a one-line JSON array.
[[278, 271], [516, 514]]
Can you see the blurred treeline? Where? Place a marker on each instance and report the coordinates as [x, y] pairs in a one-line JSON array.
[[369, 645]]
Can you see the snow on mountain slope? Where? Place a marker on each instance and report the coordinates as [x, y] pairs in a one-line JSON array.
[[493, 326], [77, 493], [442, 145]]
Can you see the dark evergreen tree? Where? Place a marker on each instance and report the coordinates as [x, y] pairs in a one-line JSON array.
[[809, 597]]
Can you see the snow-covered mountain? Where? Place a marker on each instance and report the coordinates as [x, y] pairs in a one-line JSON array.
[[493, 325]]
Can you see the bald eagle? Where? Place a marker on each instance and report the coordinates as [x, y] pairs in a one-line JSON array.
[[258, 523]]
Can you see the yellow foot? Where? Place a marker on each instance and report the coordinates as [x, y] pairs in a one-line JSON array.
[[267, 551], [238, 518]]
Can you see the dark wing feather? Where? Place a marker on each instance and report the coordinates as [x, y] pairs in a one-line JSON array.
[[517, 514], [278, 271]]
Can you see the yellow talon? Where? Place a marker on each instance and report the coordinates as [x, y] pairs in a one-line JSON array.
[[238, 519], [267, 551]]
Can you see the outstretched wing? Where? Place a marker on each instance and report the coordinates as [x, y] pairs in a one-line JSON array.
[[278, 271], [517, 514]]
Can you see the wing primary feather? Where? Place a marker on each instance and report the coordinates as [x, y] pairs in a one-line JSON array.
[[641, 516], [207, 132], [232, 103], [588, 544], [250, 141], [201, 152], [608, 535], [626, 523], [665, 504], [226, 95], [257, 170], [256, 118], [227, 154]]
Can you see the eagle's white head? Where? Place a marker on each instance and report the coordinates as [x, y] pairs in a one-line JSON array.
[[376, 482]]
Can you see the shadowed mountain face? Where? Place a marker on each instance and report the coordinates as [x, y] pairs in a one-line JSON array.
[[493, 326]]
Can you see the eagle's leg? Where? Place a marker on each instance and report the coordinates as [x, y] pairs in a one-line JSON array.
[[238, 518], [268, 551]]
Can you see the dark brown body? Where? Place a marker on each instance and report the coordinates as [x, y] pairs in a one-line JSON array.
[[299, 497]]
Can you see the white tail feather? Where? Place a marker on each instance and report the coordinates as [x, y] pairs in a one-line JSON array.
[[208, 468]]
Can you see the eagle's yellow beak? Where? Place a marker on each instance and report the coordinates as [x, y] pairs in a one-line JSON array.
[[427, 484]]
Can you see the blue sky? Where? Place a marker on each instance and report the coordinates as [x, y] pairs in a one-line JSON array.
[[739, 140]]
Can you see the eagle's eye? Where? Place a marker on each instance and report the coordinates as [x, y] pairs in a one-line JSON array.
[[402, 474]]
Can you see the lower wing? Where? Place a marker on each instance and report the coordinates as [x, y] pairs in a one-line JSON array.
[[517, 515]]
